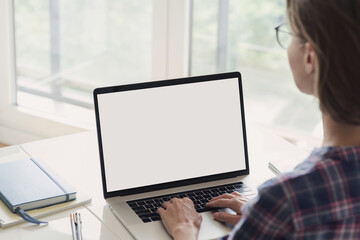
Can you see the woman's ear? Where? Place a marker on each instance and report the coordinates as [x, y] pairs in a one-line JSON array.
[[310, 58]]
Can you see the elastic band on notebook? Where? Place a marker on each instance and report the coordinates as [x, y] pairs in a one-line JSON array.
[[27, 217], [56, 182]]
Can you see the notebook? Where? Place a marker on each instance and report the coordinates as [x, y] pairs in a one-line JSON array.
[[173, 138], [27, 184]]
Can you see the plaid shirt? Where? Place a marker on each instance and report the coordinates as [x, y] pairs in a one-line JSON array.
[[320, 199]]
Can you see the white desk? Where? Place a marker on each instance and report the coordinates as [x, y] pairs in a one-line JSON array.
[[76, 158]]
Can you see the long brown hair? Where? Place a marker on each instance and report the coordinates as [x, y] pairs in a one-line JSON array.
[[332, 27]]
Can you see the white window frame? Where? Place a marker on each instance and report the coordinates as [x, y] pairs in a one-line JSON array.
[[170, 58]]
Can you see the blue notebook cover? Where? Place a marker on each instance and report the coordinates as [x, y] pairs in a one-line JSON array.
[[27, 185]]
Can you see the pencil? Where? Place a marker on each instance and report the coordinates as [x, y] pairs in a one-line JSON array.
[[72, 228]]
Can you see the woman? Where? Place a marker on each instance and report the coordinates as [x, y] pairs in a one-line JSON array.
[[320, 199]]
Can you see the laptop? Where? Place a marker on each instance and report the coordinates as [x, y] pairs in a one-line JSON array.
[[180, 138]]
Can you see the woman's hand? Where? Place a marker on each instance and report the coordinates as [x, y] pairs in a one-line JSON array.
[[180, 218], [234, 201]]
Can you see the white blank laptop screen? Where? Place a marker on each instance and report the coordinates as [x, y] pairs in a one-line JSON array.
[[164, 134]]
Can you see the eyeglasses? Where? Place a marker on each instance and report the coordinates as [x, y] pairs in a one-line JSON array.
[[283, 35]]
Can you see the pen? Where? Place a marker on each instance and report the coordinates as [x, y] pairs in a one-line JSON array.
[[79, 226], [72, 227], [76, 226]]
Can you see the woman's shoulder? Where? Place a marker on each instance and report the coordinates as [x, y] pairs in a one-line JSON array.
[[326, 166], [327, 182], [328, 162]]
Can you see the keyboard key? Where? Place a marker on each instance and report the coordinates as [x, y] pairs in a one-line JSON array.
[[198, 193], [230, 189], [216, 190], [156, 218], [165, 199], [132, 204], [145, 220], [138, 208], [140, 203], [174, 196], [143, 212], [215, 194], [207, 196], [157, 205], [204, 210], [150, 215], [198, 197], [190, 195], [149, 202], [153, 210], [149, 206]]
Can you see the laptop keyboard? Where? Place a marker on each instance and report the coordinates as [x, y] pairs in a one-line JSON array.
[[146, 208]]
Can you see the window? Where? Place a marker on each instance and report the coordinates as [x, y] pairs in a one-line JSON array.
[[55, 52], [64, 49], [229, 35]]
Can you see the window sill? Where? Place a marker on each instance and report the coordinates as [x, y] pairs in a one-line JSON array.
[[64, 113]]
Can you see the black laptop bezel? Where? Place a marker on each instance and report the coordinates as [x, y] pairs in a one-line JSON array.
[[164, 83]]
